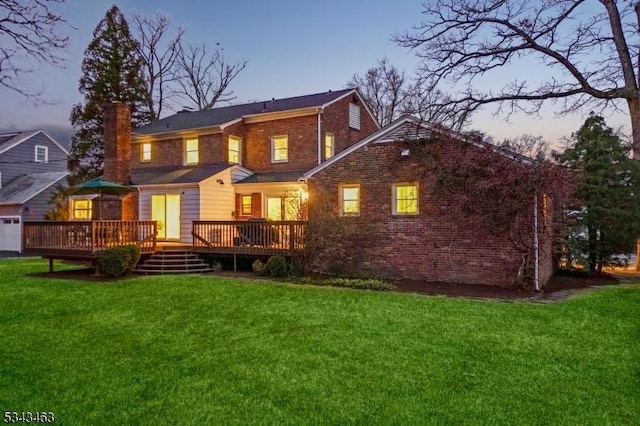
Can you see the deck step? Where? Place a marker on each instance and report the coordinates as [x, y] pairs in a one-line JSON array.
[[173, 271], [173, 261]]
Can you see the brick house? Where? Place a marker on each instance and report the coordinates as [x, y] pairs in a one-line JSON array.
[[229, 163], [382, 188]]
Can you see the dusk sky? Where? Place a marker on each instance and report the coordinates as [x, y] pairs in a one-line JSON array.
[[293, 48]]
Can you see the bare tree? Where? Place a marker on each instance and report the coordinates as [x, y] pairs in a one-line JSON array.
[[390, 94], [160, 56], [424, 100], [205, 78], [29, 31], [384, 89], [593, 53]]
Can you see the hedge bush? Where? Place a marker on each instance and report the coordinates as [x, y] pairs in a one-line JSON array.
[[259, 267], [361, 283], [277, 266], [119, 261]]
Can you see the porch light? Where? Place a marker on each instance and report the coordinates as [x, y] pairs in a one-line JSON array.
[[304, 195]]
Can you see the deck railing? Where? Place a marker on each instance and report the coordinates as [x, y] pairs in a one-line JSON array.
[[86, 238], [250, 237]]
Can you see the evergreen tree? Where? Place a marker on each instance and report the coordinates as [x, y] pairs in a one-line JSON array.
[[111, 71], [608, 192]]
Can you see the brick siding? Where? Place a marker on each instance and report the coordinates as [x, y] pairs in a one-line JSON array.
[[438, 244]]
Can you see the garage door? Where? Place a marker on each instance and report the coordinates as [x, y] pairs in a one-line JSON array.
[[10, 235]]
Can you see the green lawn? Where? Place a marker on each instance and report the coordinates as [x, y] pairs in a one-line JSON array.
[[197, 349]]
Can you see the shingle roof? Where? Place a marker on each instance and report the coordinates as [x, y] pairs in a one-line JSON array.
[[25, 187], [6, 137], [219, 116], [8, 140], [180, 174], [272, 177]]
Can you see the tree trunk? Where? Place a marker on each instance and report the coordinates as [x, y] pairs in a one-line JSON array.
[[634, 115], [593, 254], [634, 112]]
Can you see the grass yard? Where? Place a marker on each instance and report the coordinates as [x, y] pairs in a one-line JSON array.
[[200, 349]]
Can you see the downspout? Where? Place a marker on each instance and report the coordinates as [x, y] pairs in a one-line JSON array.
[[536, 247], [319, 136]]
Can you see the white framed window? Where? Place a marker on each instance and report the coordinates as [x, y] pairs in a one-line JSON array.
[[279, 149], [191, 155], [329, 145], [354, 116], [42, 154], [349, 196], [246, 205], [81, 209], [405, 198], [145, 152], [233, 150]]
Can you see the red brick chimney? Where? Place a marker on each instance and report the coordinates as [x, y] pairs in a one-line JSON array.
[[117, 161], [117, 142]]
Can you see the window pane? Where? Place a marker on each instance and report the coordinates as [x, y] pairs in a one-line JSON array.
[[82, 209], [406, 199], [234, 150], [191, 151], [280, 148], [146, 151], [329, 148], [246, 204], [351, 200]]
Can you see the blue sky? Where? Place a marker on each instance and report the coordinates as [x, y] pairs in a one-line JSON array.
[[293, 48]]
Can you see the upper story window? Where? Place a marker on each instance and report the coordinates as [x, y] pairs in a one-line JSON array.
[[81, 209], [234, 149], [349, 200], [354, 116], [246, 205], [145, 152], [279, 149], [329, 146], [42, 154], [191, 151], [405, 198]]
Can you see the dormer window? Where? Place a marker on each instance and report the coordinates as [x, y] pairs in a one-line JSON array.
[[234, 150], [191, 151], [354, 116], [145, 152], [42, 154]]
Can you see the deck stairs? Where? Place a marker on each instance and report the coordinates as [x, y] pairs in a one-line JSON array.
[[173, 260]]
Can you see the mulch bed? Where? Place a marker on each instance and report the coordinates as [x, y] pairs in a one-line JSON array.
[[561, 282]]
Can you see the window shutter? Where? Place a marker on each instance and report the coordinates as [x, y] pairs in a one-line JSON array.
[[354, 116]]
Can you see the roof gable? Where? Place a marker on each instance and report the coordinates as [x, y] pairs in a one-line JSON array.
[[224, 115], [11, 140], [409, 128]]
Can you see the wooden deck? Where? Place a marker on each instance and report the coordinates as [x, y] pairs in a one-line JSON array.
[[85, 239], [249, 238]]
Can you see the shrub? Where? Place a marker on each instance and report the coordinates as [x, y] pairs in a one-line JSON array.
[[119, 261], [258, 267], [277, 266], [361, 283]]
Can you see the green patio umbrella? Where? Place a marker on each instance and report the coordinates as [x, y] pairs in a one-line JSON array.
[[98, 186]]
